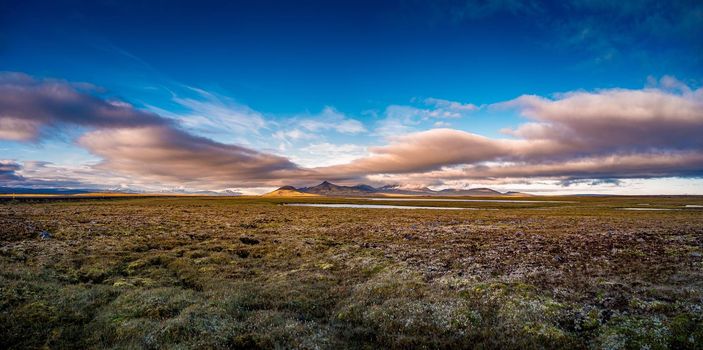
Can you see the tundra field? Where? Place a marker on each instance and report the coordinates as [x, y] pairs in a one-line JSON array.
[[248, 272]]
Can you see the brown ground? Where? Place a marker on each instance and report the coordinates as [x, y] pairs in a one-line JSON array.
[[248, 272]]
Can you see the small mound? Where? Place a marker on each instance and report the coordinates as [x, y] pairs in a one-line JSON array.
[[288, 191], [518, 194]]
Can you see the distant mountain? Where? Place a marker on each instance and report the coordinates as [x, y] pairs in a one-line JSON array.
[[364, 188], [288, 191], [198, 193], [109, 191], [412, 191], [58, 191], [517, 194], [469, 192], [324, 189], [329, 189]]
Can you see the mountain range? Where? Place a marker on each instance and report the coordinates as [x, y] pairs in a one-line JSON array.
[[121, 191], [323, 189], [329, 189]]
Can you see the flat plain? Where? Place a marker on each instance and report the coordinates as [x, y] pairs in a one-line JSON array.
[[249, 272]]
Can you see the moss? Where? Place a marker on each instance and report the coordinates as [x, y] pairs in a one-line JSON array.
[[590, 320], [326, 266], [634, 333], [173, 273], [94, 274], [372, 270], [686, 331], [546, 333], [39, 312]]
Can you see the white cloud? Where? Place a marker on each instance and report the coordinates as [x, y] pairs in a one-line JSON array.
[[216, 116], [449, 109], [328, 154], [403, 119], [398, 121], [292, 135], [331, 119]]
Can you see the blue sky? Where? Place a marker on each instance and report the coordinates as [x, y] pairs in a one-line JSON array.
[[323, 83]]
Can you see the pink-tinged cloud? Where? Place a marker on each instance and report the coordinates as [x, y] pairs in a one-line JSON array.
[[8, 171], [129, 140], [28, 105], [424, 151], [614, 133], [645, 165], [615, 120], [164, 153]]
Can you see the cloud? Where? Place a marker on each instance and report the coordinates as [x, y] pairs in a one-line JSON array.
[[212, 113], [331, 119], [615, 120], [423, 151], [300, 134], [592, 170], [403, 119], [39, 174], [163, 153], [605, 134], [653, 132], [131, 141], [28, 105], [600, 31], [397, 120], [8, 171], [448, 109], [327, 154], [288, 136], [644, 165], [645, 30]]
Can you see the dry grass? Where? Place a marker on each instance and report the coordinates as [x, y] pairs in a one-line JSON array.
[[289, 193], [249, 273]]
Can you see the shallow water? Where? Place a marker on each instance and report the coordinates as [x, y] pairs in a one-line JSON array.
[[463, 200], [647, 209], [372, 206], [693, 206]]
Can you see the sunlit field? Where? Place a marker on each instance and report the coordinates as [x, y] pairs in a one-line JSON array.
[[562, 272]]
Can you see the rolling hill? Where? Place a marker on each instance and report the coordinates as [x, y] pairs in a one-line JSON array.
[[327, 188], [330, 189], [288, 191]]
